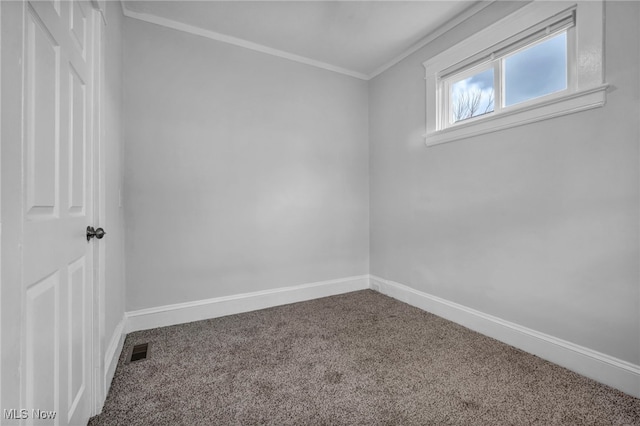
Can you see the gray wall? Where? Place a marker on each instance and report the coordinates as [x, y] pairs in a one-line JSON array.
[[243, 171], [537, 225], [114, 167]]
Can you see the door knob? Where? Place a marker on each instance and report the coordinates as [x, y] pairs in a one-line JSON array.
[[98, 233]]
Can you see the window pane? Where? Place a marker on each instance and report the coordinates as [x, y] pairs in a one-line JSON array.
[[472, 96], [536, 71]]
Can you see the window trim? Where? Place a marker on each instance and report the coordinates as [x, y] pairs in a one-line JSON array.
[[585, 71]]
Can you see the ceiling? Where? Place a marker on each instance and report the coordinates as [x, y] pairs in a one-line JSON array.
[[354, 37]]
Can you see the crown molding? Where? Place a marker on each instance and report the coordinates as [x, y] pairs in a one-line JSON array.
[[169, 23], [447, 26]]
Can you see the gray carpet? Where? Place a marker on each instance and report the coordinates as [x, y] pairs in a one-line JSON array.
[[356, 359]]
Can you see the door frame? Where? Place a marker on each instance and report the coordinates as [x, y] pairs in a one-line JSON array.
[[99, 390]]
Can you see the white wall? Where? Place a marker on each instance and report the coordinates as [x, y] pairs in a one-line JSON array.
[[244, 171], [537, 225]]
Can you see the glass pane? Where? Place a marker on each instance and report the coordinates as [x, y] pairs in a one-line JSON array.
[[536, 71], [472, 96]]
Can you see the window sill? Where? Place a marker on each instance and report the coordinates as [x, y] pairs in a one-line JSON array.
[[575, 102]]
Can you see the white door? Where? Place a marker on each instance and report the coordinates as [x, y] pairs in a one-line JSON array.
[[58, 207]]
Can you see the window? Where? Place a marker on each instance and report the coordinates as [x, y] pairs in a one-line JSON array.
[[472, 96], [530, 66], [535, 71]]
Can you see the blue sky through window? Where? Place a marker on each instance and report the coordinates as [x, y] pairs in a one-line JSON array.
[[472, 96], [536, 71]]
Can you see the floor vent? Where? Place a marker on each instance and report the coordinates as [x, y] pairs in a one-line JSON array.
[[139, 352]]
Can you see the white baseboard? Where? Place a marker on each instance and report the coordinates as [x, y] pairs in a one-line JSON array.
[[603, 368], [163, 316], [606, 369], [112, 354]]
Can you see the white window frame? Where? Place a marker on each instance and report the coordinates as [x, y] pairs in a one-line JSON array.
[[585, 72]]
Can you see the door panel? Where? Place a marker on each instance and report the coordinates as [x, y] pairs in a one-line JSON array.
[[77, 143], [42, 117], [42, 344], [77, 332], [57, 259]]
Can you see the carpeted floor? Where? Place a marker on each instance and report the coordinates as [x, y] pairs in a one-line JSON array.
[[356, 359]]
